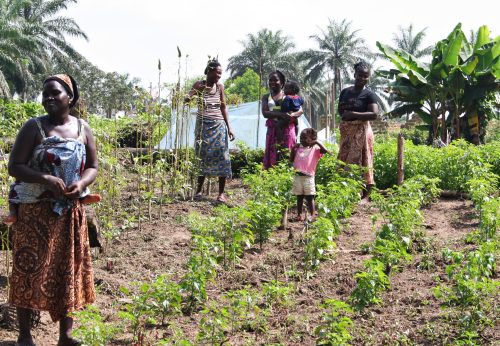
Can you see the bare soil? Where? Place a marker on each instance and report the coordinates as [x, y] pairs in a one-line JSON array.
[[409, 314]]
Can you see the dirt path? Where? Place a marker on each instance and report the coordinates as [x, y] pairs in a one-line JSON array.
[[409, 310]]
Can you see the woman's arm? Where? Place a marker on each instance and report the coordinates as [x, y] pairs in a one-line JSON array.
[[268, 114], [296, 114], [223, 109], [20, 155], [195, 90], [371, 114], [90, 172]]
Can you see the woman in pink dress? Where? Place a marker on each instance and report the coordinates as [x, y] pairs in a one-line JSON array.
[[278, 144]]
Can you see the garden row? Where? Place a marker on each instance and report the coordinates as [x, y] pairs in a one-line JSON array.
[[219, 242]]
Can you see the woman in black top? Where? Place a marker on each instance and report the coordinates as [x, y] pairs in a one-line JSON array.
[[357, 106]]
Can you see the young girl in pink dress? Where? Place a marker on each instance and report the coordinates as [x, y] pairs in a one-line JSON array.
[[305, 157]]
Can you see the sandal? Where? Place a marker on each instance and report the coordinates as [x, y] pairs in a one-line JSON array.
[[197, 197]]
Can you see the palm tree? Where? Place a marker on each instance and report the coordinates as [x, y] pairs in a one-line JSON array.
[[35, 40], [340, 48], [265, 51], [15, 48], [314, 95], [411, 43]]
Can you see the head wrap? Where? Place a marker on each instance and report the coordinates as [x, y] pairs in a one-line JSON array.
[[68, 83]]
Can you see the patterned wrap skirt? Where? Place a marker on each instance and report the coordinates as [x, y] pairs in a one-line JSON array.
[[276, 149], [356, 146], [52, 264], [212, 147]]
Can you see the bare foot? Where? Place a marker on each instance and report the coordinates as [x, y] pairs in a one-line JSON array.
[[10, 220], [364, 201], [300, 217], [221, 198], [28, 341], [69, 342]]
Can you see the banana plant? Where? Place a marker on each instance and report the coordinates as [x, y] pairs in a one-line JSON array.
[[460, 77]]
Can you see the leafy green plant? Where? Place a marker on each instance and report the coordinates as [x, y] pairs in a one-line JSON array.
[[245, 158], [460, 76], [214, 326], [245, 311], [230, 229], [454, 164], [391, 252], [369, 285], [276, 293], [201, 266], [92, 329], [471, 288], [320, 241], [165, 297], [338, 198], [13, 114], [274, 183], [137, 312], [335, 324], [264, 216]]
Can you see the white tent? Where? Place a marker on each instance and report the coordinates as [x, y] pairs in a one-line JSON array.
[[247, 123]]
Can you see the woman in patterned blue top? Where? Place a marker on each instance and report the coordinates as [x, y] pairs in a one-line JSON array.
[[54, 159]]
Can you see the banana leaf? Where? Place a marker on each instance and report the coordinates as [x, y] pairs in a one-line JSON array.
[[423, 127], [483, 37], [405, 109], [416, 78], [487, 55], [452, 51], [469, 66], [426, 117]]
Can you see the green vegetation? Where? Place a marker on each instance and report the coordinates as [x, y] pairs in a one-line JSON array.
[[461, 79], [471, 286], [400, 212], [245, 86]]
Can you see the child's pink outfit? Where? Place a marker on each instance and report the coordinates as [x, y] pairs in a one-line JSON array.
[[306, 159]]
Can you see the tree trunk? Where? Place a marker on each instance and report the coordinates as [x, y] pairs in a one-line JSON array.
[[443, 127]]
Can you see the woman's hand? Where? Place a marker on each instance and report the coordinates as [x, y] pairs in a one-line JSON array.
[[347, 115], [286, 116], [231, 134], [74, 190], [197, 88], [56, 184]]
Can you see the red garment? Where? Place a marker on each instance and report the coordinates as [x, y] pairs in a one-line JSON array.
[[52, 264], [356, 146]]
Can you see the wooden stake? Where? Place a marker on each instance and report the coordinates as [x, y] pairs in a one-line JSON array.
[[401, 173]]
